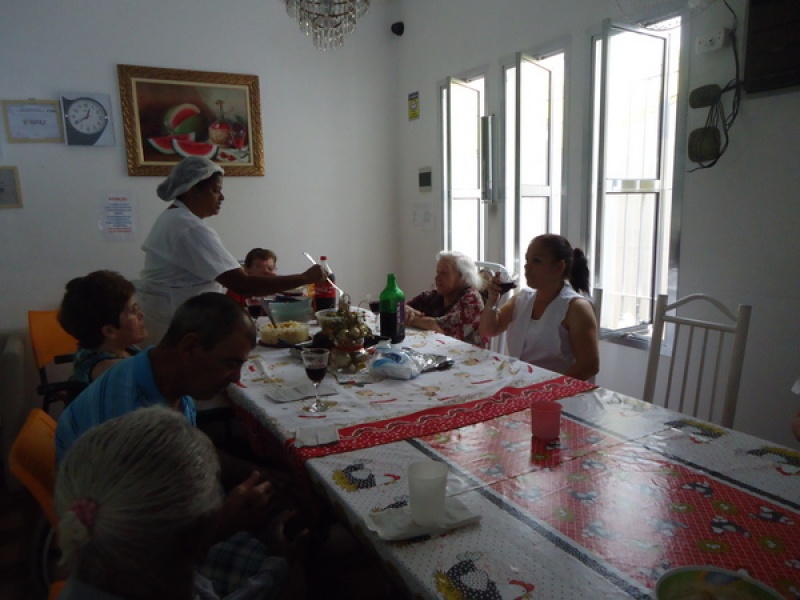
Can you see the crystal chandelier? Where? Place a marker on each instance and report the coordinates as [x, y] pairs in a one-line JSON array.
[[326, 21]]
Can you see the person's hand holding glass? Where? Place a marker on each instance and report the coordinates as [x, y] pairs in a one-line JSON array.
[[502, 282]]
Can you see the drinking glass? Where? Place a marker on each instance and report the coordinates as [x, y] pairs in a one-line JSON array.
[[427, 482], [374, 303], [508, 281], [254, 307], [315, 361]]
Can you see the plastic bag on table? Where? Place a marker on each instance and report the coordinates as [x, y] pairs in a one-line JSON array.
[[405, 363], [395, 363]]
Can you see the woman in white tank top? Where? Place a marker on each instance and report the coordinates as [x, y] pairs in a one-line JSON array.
[[549, 323]]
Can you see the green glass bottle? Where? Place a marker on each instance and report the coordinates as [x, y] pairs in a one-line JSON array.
[[393, 311]]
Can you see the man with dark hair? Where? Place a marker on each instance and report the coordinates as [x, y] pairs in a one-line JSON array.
[[208, 341]]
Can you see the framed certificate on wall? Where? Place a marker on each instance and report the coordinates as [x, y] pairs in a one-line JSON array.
[[30, 121]]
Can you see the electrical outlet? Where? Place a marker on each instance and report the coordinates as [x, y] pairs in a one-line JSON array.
[[713, 40]]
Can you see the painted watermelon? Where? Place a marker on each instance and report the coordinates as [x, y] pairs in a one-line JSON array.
[[178, 114], [188, 148], [164, 143]]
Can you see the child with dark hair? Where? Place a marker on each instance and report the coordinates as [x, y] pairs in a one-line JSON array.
[[101, 312]]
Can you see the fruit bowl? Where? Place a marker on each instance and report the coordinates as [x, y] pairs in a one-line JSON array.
[[332, 319]]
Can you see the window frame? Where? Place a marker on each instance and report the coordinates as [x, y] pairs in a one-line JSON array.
[[445, 120], [664, 269], [552, 190]]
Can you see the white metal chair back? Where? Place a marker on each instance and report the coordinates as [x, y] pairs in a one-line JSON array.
[[498, 342], [597, 304], [701, 353]]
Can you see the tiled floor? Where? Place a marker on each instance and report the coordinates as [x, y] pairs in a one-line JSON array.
[[19, 514]]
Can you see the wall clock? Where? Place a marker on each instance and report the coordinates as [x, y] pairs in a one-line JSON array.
[[87, 119]]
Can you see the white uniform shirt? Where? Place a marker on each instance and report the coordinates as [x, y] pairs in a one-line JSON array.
[[183, 258], [544, 341], [181, 251]]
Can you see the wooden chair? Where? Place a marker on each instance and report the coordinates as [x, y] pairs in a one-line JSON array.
[[52, 345], [32, 460], [702, 353]]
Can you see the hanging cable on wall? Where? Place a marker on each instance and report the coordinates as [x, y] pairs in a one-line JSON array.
[[707, 144]]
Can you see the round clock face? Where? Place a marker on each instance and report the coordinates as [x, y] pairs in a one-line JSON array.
[[87, 116]]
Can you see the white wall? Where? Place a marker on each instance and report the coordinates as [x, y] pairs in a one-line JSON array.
[[342, 158], [328, 143], [740, 220]]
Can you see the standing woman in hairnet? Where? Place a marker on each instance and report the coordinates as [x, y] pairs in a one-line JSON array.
[[185, 257]]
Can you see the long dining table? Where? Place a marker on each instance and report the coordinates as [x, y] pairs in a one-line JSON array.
[[627, 492]]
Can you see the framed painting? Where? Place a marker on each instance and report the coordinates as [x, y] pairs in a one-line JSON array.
[[169, 114]]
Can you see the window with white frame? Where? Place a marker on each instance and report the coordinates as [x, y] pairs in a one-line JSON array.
[[534, 126], [635, 91], [464, 212]]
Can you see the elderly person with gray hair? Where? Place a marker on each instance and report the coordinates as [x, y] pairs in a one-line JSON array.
[[138, 498], [454, 306], [185, 257]]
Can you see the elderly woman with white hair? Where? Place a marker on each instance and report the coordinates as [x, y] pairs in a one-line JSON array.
[[454, 306], [138, 498], [184, 257]]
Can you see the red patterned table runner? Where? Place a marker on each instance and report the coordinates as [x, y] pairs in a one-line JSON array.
[[638, 510], [442, 418]]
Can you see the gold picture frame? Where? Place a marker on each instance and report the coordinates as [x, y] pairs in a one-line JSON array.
[[171, 113]]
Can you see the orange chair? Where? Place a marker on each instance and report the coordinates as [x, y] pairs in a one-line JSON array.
[[51, 344], [32, 460]]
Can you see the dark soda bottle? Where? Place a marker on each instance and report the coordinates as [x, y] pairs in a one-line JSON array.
[[324, 292], [393, 311]]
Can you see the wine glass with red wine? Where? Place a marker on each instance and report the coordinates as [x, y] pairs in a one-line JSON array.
[[254, 307], [508, 281], [315, 360], [374, 303]]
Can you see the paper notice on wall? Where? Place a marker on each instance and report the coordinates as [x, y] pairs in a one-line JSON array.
[[423, 217], [117, 220]]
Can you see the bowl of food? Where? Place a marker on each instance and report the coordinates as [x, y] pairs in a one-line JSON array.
[[684, 583], [333, 319], [288, 332], [298, 310]]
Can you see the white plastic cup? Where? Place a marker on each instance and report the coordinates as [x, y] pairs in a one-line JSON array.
[[427, 481]]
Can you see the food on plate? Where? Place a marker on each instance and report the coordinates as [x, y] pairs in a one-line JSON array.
[[291, 332]]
